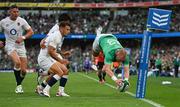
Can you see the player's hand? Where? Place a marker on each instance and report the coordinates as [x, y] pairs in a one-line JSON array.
[[67, 53], [119, 82], [42, 44], [64, 61], [19, 39], [124, 86]]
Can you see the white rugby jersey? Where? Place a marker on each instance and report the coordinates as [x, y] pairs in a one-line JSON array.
[[13, 29], [53, 29], [54, 39]]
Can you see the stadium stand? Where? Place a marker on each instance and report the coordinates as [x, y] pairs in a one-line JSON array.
[[85, 21], [83, 1], [124, 21]]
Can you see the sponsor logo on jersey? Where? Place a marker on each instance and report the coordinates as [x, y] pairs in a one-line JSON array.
[[13, 32]]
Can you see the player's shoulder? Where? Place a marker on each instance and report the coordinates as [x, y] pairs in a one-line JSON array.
[[20, 19], [56, 35], [107, 35], [5, 19]]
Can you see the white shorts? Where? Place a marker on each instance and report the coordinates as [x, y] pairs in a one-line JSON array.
[[45, 62], [20, 49]]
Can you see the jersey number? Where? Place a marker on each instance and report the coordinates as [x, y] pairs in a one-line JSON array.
[[112, 42]]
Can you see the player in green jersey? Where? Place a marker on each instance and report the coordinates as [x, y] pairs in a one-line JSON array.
[[113, 51]]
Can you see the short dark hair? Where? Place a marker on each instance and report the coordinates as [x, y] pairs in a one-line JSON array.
[[13, 6], [64, 23], [64, 17]]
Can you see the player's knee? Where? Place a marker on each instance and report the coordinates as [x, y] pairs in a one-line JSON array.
[[60, 74], [66, 72], [23, 70], [17, 63], [105, 68]]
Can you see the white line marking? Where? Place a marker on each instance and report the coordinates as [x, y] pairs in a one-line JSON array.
[[145, 100]]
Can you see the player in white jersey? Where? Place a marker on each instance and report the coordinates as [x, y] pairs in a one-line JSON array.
[[13, 28], [48, 57], [64, 78]]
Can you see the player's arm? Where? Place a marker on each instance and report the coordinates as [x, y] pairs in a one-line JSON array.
[[107, 69], [42, 43], [28, 29], [65, 53], [52, 52], [28, 34], [126, 72]]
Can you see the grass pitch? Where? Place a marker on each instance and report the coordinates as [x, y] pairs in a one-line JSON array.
[[86, 92]]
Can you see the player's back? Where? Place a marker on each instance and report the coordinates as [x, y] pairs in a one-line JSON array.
[[54, 39], [53, 29], [109, 43]]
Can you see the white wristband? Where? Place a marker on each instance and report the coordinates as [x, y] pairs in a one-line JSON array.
[[23, 37], [126, 79], [114, 78]]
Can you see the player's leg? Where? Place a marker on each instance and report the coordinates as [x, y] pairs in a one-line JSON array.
[[40, 81], [21, 51], [101, 74], [58, 73], [104, 76], [17, 68], [62, 82], [43, 84], [23, 67], [40, 77]]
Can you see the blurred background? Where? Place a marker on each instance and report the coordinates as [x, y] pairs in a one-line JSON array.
[[124, 18]]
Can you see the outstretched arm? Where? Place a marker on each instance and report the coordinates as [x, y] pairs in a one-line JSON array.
[[107, 69], [126, 72]]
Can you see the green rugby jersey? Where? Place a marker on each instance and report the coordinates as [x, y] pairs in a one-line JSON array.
[[109, 44]]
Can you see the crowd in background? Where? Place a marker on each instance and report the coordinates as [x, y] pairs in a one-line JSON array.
[[85, 22], [123, 21], [162, 55], [84, 1]]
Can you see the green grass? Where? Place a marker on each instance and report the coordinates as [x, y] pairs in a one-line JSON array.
[[87, 93]]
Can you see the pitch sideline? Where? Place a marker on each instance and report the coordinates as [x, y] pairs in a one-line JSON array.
[[131, 94]]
